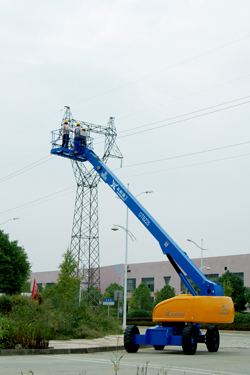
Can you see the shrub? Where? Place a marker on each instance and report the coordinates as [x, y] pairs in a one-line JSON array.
[[23, 321], [27, 323], [84, 332], [139, 314], [241, 318], [238, 318], [5, 304], [8, 337]]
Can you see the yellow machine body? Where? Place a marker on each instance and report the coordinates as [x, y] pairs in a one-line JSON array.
[[196, 309]]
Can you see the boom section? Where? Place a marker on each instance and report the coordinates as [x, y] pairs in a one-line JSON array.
[[167, 244]]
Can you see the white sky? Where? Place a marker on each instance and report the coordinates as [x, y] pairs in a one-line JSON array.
[[141, 62]]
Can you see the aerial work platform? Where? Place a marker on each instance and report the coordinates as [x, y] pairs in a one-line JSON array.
[[75, 145], [179, 318]]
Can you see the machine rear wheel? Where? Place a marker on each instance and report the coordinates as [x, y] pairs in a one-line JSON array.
[[159, 347], [189, 340], [212, 339], [129, 345]]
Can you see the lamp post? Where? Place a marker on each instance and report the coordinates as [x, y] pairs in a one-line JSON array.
[[207, 268], [132, 237], [200, 247], [130, 234], [14, 218]]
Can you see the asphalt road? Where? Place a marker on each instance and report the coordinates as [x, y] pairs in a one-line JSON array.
[[232, 358]]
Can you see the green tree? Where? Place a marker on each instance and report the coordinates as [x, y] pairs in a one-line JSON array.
[[110, 293], [248, 295], [141, 298], [165, 293], [14, 266], [66, 290], [26, 287], [68, 283], [110, 290], [227, 288], [236, 288]]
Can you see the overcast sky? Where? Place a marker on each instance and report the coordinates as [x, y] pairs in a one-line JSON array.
[[174, 74]]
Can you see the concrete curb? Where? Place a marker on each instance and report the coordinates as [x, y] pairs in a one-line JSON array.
[[52, 351], [6, 352]]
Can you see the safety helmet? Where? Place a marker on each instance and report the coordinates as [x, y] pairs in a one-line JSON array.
[[83, 129], [78, 124], [66, 122]]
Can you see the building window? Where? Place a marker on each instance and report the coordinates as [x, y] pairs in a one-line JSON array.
[[149, 281], [49, 284], [213, 277], [167, 279], [131, 285], [240, 274]]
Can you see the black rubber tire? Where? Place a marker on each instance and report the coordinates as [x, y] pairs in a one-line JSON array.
[[159, 347], [189, 340], [129, 345], [212, 339]]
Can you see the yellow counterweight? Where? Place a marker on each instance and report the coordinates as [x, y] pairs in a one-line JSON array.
[[195, 309]]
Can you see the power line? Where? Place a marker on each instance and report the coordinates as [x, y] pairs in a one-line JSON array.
[[130, 83], [186, 166], [186, 114], [183, 97], [30, 126], [162, 70], [25, 169], [59, 193], [26, 157], [134, 81], [31, 166], [184, 155], [177, 122], [41, 161], [38, 201], [172, 118]]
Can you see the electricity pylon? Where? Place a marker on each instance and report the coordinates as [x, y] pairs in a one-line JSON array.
[[85, 230]]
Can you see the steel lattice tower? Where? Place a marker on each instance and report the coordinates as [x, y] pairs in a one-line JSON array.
[[85, 229]]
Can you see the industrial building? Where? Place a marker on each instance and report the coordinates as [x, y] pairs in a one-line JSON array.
[[158, 274]]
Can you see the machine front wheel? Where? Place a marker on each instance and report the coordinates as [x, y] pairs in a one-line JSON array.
[[129, 333], [159, 347], [189, 340], [212, 339]]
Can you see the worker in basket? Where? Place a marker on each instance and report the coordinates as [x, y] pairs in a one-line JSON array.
[[80, 138], [83, 135], [65, 134]]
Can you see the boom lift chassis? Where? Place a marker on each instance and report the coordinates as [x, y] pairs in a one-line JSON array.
[[179, 318]]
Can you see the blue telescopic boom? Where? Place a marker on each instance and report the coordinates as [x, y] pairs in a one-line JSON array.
[[176, 256]]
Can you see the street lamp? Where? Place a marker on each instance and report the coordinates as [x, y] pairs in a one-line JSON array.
[[200, 247], [128, 233], [145, 192], [14, 218], [207, 268], [132, 237]]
